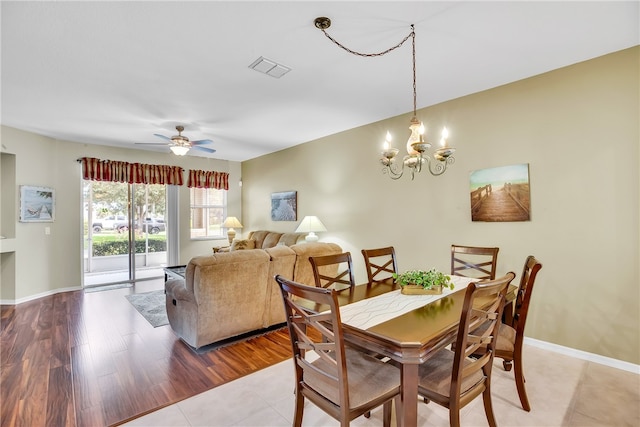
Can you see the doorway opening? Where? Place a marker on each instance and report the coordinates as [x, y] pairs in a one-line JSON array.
[[125, 233]]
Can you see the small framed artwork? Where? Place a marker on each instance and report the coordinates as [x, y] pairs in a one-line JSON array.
[[37, 204], [284, 206], [500, 194]]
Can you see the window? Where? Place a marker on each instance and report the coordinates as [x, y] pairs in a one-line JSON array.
[[208, 210]]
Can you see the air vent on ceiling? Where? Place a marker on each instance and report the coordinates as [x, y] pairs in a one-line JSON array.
[[269, 67]]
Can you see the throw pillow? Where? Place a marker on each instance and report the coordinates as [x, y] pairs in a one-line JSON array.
[[243, 244]]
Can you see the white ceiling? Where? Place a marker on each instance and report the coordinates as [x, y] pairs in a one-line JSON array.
[[115, 73]]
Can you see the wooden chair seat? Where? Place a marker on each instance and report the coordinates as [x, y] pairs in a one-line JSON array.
[[506, 339], [435, 375], [368, 379]]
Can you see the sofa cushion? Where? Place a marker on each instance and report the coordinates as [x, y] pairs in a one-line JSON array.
[[243, 244], [258, 236], [289, 239], [271, 240]]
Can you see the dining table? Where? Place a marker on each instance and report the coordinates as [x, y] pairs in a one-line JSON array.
[[408, 329]]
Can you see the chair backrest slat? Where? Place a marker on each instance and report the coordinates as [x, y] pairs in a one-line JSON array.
[[340, 278], [474, 261], [380, 264]]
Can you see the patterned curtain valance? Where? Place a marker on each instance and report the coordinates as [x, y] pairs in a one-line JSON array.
[[208, 179], [132, 173]]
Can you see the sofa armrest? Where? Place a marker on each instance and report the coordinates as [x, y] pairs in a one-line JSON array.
[[177, 290]]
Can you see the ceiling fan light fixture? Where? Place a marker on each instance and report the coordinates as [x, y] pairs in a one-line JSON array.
[[179, 150]]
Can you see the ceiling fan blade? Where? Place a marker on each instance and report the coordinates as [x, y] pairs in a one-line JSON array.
[[162, 136], [152, 143], [206, 149], [202, 142]]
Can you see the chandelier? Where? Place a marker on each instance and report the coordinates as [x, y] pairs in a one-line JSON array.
[[417, 144]]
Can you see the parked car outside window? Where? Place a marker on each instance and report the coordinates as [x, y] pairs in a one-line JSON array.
[[149, 225], [109, 223]]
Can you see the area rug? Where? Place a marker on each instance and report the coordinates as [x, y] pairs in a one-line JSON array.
[[152, 306]]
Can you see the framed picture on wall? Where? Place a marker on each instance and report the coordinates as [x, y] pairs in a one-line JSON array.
[[284, 206], [37, 204], [500, 194]]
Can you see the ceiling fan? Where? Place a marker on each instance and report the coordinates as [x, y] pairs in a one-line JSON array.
[[180, 144]]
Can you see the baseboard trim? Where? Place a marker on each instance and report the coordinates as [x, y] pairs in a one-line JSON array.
[[579, 354], [40, 295]]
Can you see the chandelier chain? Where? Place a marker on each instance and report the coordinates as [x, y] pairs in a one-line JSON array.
[[413, 52], [411, 34]]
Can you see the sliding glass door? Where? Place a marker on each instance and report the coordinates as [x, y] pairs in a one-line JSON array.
[[125, 233]]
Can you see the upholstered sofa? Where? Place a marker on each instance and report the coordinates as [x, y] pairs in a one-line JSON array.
[[231, 293]]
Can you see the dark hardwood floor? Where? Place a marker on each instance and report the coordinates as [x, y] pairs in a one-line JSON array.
[[90, 359]]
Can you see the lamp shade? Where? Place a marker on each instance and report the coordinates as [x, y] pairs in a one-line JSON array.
[[232, 222], [310, 224]]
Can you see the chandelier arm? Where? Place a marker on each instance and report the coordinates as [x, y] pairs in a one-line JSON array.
[[384, 52], [438, 167], [393, 171]]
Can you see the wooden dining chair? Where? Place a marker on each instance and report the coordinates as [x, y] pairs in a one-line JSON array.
[[511, 336], [333, 271], [380, 264], [342, 381], [474, 261], [450, 377]]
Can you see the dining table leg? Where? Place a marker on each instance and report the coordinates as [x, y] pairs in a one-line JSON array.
[[409, 398]]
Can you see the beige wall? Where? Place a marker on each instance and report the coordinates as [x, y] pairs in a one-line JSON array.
[[44, 264], [576, 127]]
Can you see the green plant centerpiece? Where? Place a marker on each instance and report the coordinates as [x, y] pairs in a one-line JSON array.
[[423, 281]]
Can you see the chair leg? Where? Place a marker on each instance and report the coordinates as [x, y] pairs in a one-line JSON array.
[[454, 417], [522, 391], [386, 414], [367, 414], [506, 364], [397, 403], [299, 409], [488, 407]]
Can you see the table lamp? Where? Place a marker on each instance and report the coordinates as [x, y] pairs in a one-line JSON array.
[[230, 223], [310, 224]]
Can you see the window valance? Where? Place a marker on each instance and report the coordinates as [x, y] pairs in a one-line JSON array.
[[208, 179], [132, 173]]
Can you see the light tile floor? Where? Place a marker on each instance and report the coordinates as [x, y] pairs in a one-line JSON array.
[[563, 391]]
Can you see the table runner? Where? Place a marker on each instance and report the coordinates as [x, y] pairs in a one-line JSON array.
[[373, 311]]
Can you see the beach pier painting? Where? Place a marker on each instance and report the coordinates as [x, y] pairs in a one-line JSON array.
[[37, 204], [501, 194]]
